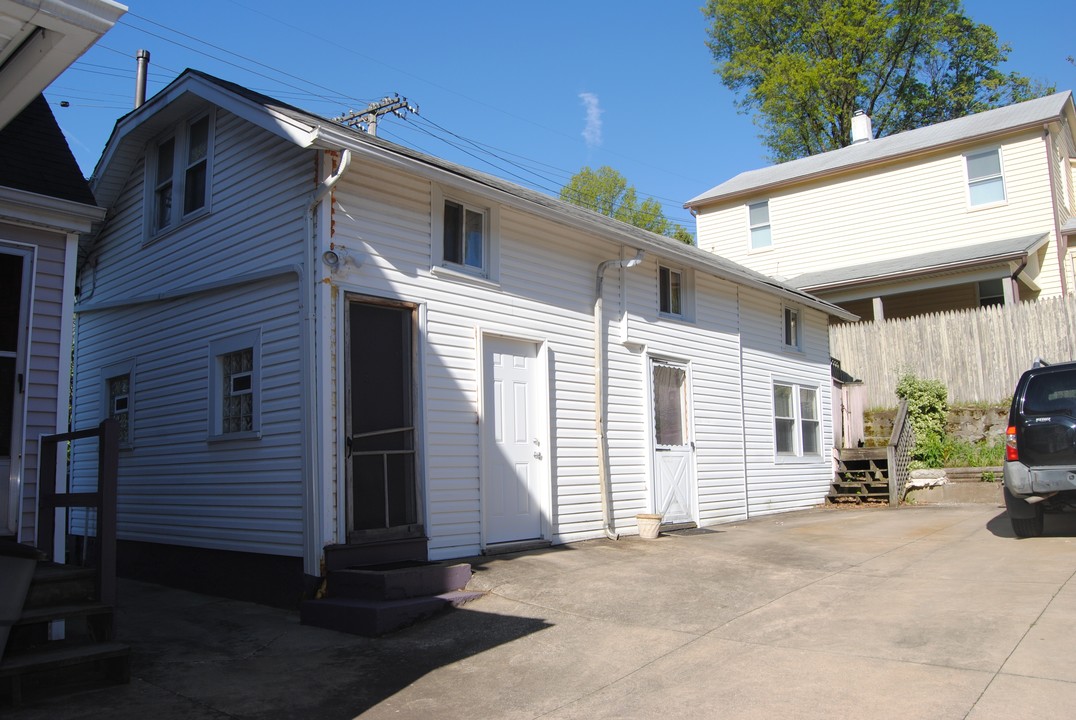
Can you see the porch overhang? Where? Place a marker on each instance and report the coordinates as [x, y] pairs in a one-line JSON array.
[[1012, 258]]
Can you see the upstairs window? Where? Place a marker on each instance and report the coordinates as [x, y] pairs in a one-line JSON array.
[[986, 184], [466, 235], [758, 215], [670, 291], [179, 171], [791, 328]]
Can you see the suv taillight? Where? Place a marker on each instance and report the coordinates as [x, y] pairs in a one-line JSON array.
[[1011, 452]]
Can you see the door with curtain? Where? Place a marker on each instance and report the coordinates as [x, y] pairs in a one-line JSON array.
[[674, 450]]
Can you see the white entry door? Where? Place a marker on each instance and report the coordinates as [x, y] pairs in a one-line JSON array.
[[674, 451], [513, 477]]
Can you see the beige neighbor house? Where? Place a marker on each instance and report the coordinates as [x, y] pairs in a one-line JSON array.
[[969, 212], [45, 204]]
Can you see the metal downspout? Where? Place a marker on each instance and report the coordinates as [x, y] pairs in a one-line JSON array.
[[600, 387], [313, 494]]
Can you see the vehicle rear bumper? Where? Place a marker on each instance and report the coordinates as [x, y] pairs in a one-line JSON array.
[[1023, 481]]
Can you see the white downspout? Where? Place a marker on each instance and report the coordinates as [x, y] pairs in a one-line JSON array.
[[600, 386], [314, 492]]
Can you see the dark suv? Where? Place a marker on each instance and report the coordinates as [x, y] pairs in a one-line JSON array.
[[1040, 446]]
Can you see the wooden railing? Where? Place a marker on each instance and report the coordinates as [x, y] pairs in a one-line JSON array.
[[899, 454], [102, 500]]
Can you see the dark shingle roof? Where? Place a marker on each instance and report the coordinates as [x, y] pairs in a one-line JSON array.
[[35, 157]]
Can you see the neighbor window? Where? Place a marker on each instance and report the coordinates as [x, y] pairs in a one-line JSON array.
[[466, 235], [670, 290], [235, 387], [791, 328], [179, 172], [759, 221], [797, 430], [985, 182], [991, 292]]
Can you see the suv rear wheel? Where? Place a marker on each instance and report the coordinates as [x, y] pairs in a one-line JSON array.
[[1026, 518]]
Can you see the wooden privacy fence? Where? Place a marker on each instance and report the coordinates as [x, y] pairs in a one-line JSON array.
[[977, 354]]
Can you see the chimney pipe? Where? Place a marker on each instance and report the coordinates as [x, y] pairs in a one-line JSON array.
[[861, 127], [140, 81]]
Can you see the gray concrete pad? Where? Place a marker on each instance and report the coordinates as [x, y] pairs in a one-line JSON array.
[[921, 612]]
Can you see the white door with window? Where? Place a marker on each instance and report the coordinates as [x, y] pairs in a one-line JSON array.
[[513, 470], [674, 449]]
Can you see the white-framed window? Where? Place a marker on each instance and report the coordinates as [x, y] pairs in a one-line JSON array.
[[118, 399], [758, 221], [791, 328], [235, 387], [670, 291], [986, 183], [796, 418], [178, 173], [465, 236]]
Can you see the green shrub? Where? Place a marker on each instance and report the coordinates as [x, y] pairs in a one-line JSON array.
[[928, 404]]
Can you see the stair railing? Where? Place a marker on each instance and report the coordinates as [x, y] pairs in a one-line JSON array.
[[899, 454], [102, 500]]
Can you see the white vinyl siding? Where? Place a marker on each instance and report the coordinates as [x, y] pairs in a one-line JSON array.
[[876, 214]]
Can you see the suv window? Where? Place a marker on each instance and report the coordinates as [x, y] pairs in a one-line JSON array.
[[1051, 393]]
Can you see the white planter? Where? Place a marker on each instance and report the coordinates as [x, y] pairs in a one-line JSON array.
[[649, 525]]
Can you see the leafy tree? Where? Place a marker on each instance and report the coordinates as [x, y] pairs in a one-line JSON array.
[[805, 66], [607, 191]]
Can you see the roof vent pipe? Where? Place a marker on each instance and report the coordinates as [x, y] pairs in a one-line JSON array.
[[142, 56], [861, 127]]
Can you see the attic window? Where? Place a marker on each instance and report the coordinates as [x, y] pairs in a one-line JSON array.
[[759, 222], [178, 170]]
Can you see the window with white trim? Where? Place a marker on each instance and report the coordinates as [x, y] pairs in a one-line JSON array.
[[797, 428], [670, 291], [178, 169], [758, 220], [118, 398], [235, 387], [986, 183], [464, 240], [790, 327]]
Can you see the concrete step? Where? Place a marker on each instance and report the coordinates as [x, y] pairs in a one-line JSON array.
[[54, 584], [397, 581], [373, 618]]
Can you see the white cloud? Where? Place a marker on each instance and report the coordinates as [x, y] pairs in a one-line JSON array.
[[592, 133]]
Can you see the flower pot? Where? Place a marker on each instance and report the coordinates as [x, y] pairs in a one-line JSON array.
[[649, 525]]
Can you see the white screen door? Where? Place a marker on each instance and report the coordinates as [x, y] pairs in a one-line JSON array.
[[673, 493]]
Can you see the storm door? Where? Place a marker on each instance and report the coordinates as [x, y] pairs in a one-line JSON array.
[[381, 443], [674, 452], [14, 316]]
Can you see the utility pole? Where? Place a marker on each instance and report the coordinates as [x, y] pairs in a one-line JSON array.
[[366, 120]]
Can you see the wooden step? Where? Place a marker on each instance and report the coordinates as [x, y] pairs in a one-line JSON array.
[[111, 657], [61, 585]]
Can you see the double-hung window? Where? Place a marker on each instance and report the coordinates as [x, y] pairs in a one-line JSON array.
[[464, 238], [758, 218], [792, 335], [670, 291], [178, 170], [986, 184], [797, 429]]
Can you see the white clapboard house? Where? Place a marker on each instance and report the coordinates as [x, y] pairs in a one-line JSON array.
[[325, 349]]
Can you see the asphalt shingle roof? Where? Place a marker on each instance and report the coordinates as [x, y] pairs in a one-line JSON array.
[[35, 157]]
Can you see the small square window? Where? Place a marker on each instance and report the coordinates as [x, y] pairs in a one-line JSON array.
[[759, 223], [791, 328], [986, 184], [670, 291]]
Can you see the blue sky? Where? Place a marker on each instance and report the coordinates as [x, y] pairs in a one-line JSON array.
[[528, 91]]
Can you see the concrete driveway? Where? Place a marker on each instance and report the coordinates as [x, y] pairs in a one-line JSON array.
[[921, 612]]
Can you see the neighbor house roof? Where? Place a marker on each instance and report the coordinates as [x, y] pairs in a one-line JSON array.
[[941, 261], [1008, 119], [127, 144], [37, 158]]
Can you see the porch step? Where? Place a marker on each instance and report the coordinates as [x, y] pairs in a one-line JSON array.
[[110, 659], [61, 585], [373, 618], [376, 599], [862, 476]]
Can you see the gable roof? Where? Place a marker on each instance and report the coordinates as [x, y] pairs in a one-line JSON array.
[[1004, 120], [940, 261], [126, 145], [37, 158]]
